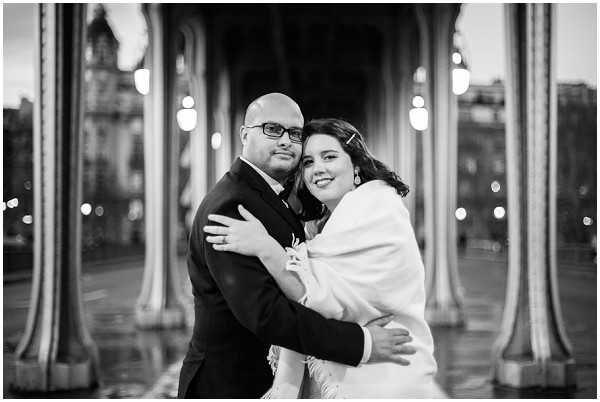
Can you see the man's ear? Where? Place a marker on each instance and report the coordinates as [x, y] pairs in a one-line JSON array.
[[243, 135]]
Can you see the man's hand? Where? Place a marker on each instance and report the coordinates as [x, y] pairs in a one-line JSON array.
[[389, 345]]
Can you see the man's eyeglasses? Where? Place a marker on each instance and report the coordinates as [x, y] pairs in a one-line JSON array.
[[275, 130]]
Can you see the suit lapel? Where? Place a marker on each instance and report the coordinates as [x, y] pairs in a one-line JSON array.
[[252, 178], [278, 205]]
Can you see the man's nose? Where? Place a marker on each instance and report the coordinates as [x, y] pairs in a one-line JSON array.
[[284, 139]]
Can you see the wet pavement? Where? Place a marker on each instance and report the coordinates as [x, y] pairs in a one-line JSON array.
[[464, 354], [145, 364], [131, 360]]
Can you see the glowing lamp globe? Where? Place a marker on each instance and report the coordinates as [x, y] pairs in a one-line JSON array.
[[141, 78], [419, 118], [216, 140], [186, 119], [460, 80]]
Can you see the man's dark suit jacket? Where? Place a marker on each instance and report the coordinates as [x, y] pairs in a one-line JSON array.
[[239, 309]]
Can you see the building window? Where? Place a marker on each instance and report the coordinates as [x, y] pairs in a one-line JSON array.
[[482, 114], [470, 164], [498, 166]]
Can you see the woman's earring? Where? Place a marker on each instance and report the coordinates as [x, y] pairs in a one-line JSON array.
[[356, 179]]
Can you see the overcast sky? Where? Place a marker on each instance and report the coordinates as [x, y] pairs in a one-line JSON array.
[[482, 28], [481, 25]]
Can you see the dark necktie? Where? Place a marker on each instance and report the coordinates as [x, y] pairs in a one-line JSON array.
[[286, 192]]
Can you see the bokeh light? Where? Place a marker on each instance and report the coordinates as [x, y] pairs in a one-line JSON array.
[[418, 101], [499, 212], [216, 140], [86, 209], [187, 102]]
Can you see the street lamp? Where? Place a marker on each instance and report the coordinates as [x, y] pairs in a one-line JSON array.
[[460, 69], [460, 74], [420, 75], [186, 117], [418, 115], [141, 78], [216, 140]]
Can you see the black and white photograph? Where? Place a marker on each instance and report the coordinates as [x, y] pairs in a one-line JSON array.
[[299, 200]]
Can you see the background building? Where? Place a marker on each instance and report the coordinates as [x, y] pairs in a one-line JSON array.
[[17, 138], [577, 175], [113, 144], [482, 170], [113, 163]]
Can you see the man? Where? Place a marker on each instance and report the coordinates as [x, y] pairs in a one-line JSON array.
[[239, 309]]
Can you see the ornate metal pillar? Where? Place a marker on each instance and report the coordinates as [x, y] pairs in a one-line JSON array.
[[222, 122], [396, 145], [56, 351], [159, 304], [444, 294], [195, 53], [221, 109], [532, 348], [406, 142]]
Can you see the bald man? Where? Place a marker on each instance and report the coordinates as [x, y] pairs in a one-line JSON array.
[[239, 309]]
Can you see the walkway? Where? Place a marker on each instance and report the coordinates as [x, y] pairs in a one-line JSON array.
[[146, 364]]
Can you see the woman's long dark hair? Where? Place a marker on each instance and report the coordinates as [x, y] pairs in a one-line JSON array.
[[353, 143]]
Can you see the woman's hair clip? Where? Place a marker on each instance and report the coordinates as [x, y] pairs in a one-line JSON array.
[[350, 139]]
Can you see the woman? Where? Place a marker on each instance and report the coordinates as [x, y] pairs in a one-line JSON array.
[[363, 262]]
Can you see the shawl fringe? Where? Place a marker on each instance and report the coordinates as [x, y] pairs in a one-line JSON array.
[[273, 357], [318, 371]]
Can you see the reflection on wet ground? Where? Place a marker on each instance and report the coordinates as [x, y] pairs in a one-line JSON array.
[[464, 354], [135, 363], [130, 364], [130, 360]]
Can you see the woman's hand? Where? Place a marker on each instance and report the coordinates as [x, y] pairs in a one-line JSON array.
[[247, 237]]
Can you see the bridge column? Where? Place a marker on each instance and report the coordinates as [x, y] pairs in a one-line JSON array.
[[532, 348], [56, 352], [406, 141], [222, 117], [444, 293], [193, 30], [159, 304]]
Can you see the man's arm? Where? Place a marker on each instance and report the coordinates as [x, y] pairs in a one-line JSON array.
[[375, 347], [259, 305]]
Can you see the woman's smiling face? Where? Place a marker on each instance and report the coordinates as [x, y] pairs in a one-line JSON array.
[[328, 172]]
